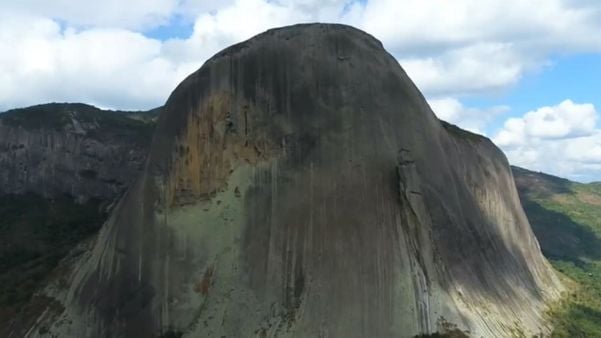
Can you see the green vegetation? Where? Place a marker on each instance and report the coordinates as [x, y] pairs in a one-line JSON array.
[[566, 218], [579, 315], [96, 122], [35, 234], [150, 116]]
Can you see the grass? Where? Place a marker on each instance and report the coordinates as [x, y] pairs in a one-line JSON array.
[[566, 218], [579, 314]]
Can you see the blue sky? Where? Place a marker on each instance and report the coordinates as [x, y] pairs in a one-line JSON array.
[[576, 77], [524, 73], [177, 27], [572, 76]]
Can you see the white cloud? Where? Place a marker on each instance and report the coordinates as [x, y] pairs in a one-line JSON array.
[[213, 32], [467, 47], [577, 159], [193, 8], [563, 140], [406, 25], [477, 68], [484, 46], [565, 120], [120, 68], [586, 150], [87, 13], [108, 67], [246, 18], [472, 119], [96, 52]]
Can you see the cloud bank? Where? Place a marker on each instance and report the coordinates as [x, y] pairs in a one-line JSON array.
[[563, 139], [101, 52]]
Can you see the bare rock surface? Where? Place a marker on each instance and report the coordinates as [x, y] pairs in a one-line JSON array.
[[74, 149], [299, 185]]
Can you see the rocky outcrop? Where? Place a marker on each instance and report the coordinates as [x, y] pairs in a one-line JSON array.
[[298, 185], [72, 149], [61, 168]]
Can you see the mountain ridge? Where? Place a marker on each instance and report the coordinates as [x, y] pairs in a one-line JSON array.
[[54, 144], [61, 168], [565, 217], [299, 185], [248, 151]]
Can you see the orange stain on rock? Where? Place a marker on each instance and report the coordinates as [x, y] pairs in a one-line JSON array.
[[204, 284]]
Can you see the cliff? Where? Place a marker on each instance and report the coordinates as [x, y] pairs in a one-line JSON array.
[[74, 149], [61, 168], [298, 185]]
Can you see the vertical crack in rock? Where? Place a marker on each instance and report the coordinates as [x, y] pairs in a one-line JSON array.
[[412, 206], [313, 221]]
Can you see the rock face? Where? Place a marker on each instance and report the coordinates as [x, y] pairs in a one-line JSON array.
[[74, 149], [61, 168], [298, 185]]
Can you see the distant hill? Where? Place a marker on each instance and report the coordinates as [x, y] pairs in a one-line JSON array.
[[566, 219], [62, 165], [63, 115], [277, 200], [299, 185], [40, 227], [48, 149]]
